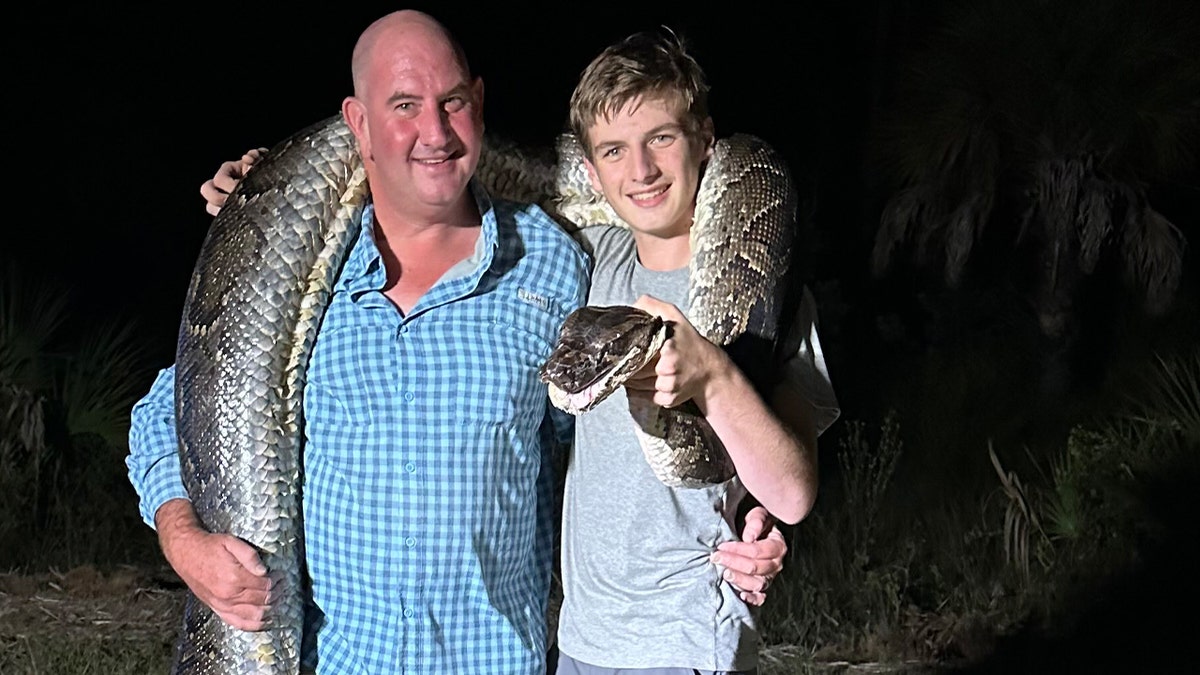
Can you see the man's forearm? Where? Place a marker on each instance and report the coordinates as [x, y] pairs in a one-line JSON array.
[[174, 521]]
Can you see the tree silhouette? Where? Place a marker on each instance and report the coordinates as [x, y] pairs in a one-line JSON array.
[[1031, 131]]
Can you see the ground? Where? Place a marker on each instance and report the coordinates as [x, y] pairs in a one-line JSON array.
[[83, 621], [125, 621]]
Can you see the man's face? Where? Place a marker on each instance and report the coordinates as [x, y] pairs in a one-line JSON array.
[[422, 124], [648, 167]]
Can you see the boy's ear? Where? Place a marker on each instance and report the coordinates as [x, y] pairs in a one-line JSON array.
[[592, 176], [709, 136]]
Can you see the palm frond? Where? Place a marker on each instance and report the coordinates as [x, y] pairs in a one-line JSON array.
[[1154, 250], [1094, 220], [32, 309], [1174, 394], [1058, 112], [99, 383], [962, 231], [901, 217]]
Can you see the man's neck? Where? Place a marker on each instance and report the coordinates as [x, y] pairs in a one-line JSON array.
[[399, 223]]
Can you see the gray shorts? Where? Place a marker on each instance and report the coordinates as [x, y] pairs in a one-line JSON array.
[[569, 666]]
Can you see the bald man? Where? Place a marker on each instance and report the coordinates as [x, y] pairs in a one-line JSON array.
[[428, 437]]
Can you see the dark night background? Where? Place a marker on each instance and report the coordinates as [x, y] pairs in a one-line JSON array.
[[117, 116]]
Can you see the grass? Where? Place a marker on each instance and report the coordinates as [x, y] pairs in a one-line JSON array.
[[875, 574], [49, 654], [87, 620]]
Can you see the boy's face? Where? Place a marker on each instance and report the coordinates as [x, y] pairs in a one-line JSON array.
[[648, 167]]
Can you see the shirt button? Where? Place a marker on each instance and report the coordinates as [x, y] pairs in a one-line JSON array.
[[408, 396], [410, 541], [410, 467], [408, 613], [403, 329]]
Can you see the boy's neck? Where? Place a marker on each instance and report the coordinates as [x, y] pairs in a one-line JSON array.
[[663, 254]]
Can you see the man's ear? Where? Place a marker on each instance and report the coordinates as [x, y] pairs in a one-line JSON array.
[[477, 102], [477, 98], [354, 112]]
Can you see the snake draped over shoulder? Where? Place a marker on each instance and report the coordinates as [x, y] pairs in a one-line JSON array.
[[741, 248], [259, 290]]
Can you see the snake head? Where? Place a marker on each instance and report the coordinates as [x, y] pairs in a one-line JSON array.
[[598, 349]]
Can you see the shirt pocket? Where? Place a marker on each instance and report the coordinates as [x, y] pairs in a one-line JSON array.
[[499, 372], [340, 381]]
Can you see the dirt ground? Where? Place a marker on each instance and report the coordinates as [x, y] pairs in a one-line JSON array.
[[127, 604], [130, 605]]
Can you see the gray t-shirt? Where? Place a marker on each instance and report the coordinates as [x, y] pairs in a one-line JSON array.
[[639, 590]]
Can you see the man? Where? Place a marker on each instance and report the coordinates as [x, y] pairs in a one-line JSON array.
[[419, 519], [427, 430]]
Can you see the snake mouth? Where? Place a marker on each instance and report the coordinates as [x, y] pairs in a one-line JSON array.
[[583, 400], [599, 349]]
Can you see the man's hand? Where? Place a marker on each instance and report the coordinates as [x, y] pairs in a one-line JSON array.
[[223, 571], [752, 563], [216, 189], [686, 365]]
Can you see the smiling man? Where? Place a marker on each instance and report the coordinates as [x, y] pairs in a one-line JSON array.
[[429, 446]]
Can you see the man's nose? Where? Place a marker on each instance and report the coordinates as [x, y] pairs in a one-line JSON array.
[[435, 128]]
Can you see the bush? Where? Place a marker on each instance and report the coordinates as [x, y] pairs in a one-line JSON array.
[[65, 395]]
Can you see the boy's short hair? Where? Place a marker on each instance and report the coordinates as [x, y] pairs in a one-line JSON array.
[[652, 64]]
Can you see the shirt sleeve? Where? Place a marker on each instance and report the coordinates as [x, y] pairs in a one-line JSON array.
[[804, 368], [153, 460]]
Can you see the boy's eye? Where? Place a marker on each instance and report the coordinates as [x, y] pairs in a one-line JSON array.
[[611, 153]]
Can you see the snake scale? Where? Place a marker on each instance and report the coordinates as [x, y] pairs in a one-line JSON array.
[[258, 292]]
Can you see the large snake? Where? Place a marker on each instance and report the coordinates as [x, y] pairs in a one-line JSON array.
[[258, 293]]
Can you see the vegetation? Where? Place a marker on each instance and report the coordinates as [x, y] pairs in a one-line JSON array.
[[875, 574], [1029, 132], [65, 394]]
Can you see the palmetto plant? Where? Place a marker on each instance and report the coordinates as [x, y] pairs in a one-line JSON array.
[[65, 394], [1038, 126]]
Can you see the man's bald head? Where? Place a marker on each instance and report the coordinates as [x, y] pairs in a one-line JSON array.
[[405, 24]]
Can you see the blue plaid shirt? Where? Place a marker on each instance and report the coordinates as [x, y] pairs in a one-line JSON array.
[[429, 520]]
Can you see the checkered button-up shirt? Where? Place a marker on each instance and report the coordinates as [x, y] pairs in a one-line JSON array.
[[428, 518]]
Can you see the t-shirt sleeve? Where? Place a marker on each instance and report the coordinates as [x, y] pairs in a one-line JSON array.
[[804, 366]]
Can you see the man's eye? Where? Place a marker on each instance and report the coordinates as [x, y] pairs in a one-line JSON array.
[[405, 106], [611, 153], [662, 139], [455, 103]]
